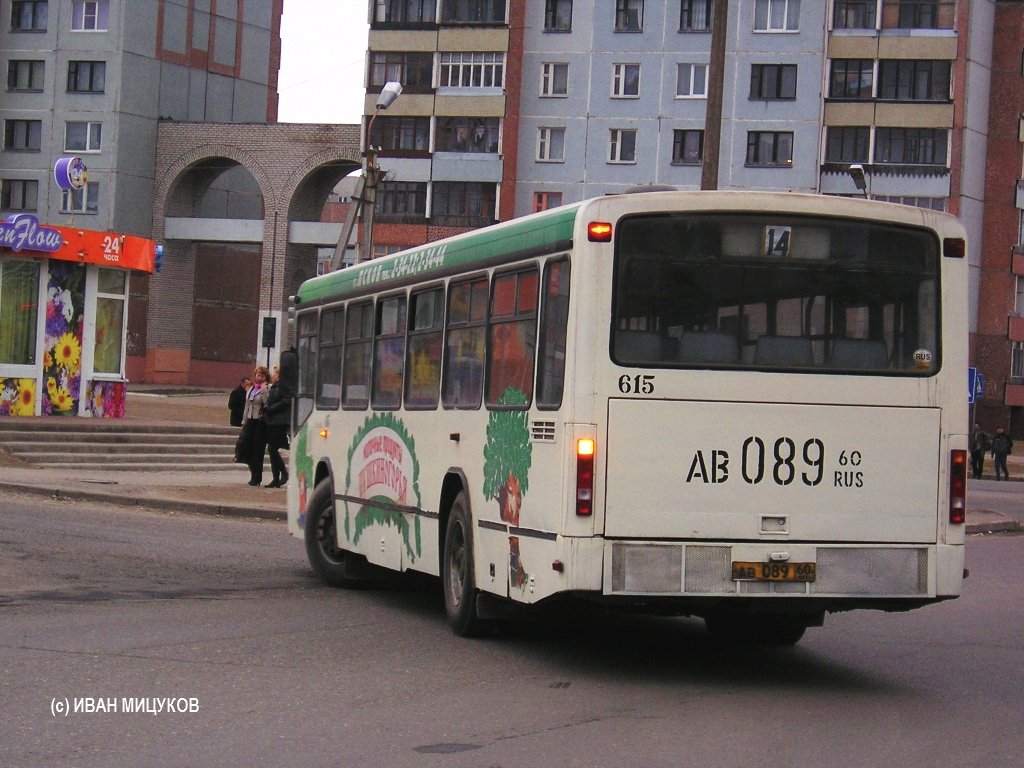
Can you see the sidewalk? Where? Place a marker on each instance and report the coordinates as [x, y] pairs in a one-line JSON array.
[[221, 492], [217, 492]]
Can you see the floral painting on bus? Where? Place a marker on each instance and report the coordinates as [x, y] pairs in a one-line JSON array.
[[383, 473], [507, 456]]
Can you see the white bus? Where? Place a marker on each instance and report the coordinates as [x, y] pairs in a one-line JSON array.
[[740, 406]]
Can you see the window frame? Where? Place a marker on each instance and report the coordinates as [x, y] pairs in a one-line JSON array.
[[545, 200], [518, 317], [111, 296], [849, 75], [39, 21], [846, 135], [693, 67], [680, 143], [754, 149], [625, 78], [327, 348], [413, 69], [555, 16], [773, 82], [479, 67], [419, 335], [32, 67], [545, 144], [486, 129], [29, 193], [629, 16], [100, 15], [844, 10], [390, 343], [899, 80], [478, 296], [884, 139], [550, 82], [549, 335], [89, 198], [361, 343], [686, 14], [90, 125], [22, 135], [764, 11], [93, 67], [615, 146], [24, 366]]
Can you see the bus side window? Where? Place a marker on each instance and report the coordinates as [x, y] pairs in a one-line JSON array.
[[389, 353], [511, 339], [464, 344], [554, 322], [355, 381], [308, 364], [328, 372], [423, 364]]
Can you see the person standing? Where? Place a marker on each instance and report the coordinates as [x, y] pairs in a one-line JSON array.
[[980, 445], [278, 416], [1002, 446], [236, 401], [254, 428]]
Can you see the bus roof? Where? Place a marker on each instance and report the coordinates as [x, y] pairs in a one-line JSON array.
[[536, 234]]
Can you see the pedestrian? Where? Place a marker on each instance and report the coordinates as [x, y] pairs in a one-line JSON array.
[[981, 443], [254, 428], [278, 417], [236, 401], [1002, 446]]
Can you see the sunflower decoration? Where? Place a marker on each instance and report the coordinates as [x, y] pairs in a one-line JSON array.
[[25, 402], [62, 400], [68, 352]]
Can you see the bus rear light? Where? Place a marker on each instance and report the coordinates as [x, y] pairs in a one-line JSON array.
[[585, 449], [599, 232], [957, 487], [954, 247]]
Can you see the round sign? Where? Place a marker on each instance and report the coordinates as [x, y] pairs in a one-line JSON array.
[[70, 173]]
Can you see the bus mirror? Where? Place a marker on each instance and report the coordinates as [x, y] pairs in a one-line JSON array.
[[289, 380]]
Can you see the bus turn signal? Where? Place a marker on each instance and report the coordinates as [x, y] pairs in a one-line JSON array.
[[599, 232], [957, 487]]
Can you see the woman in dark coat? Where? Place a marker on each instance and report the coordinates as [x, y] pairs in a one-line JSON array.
[[278, 415], [254, 428]]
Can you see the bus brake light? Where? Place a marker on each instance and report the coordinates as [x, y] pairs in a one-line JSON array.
[[954, 247], [585, 449], [957, 487], [599, 232]]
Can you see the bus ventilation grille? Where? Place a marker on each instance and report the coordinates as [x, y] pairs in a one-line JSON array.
[[542, 431]]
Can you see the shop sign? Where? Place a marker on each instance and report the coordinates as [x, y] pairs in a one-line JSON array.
[[22, 231]]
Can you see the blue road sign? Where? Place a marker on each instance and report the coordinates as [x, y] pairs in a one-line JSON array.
[[975, 384]]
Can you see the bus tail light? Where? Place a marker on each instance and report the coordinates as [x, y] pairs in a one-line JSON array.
[[957, 487], [954, 247], [599, 232], [585, 477]]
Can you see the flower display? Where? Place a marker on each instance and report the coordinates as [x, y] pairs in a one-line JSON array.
[[17, 397], [62, 357], [106, 399], [68, 352]]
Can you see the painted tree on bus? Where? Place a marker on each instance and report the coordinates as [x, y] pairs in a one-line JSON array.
[[507, 456]]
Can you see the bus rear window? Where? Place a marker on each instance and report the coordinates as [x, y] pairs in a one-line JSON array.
[[775, 292]]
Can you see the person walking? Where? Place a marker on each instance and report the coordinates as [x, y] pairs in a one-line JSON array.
[[278, 417], [1002, 446], [254, 428], [981, 443], [236, 401]]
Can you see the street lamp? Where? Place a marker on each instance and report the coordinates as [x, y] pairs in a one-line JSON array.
[[366, 188], [860, 179]]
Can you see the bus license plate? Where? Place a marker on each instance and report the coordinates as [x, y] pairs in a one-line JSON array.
[[748, 571]]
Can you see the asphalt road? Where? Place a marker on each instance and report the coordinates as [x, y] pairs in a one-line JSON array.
[[110, 605]]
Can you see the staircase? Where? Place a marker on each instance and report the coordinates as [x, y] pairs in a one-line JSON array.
[[117, 445]]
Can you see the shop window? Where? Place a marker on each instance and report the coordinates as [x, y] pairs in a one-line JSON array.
[[19, 311], [111, 301]]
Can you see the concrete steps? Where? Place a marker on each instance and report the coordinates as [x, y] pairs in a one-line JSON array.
[[109, 445]]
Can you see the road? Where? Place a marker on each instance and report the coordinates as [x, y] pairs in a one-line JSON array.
[[1001, 496], [109, 605]]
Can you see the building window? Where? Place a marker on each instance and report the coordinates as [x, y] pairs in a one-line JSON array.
[[847, 144], [911, 146], [691, 81], [773, 81], [111, 297], [473, 11], [629, 15], [413, 70], [931, 203], [907, 80], [23, 135], [18, 194], [1017, 360], [81, 200], [401, 201], [25, 75], [407, 134], [918, 14], [696, 15], [558, 15], [777, 16], [687, 147], [542, 201], [554, 79], [854, 14], [773, 149], [19, 311], [625, 81], [551, 145], [86, 76], [851, 79], [82, 136], [405, 11], [622, 146], [29, 15], [463, 203], [89, 15], [468, 134], [472, 70]]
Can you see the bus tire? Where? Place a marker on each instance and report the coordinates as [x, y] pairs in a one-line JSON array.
[[457, 578], [325, 556]]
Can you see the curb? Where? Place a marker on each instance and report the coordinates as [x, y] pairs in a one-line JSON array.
[[166, 505], [996, 526]]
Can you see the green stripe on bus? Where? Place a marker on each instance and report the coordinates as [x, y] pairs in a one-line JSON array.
[[530, 234]]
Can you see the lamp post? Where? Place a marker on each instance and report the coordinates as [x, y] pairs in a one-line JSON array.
[[860, 179], [366, 188], [391, 91]]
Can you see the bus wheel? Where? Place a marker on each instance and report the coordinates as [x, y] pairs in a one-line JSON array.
[[457, 572], [322, 550]]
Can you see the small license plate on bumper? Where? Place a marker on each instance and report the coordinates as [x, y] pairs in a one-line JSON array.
[[751, 571]]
